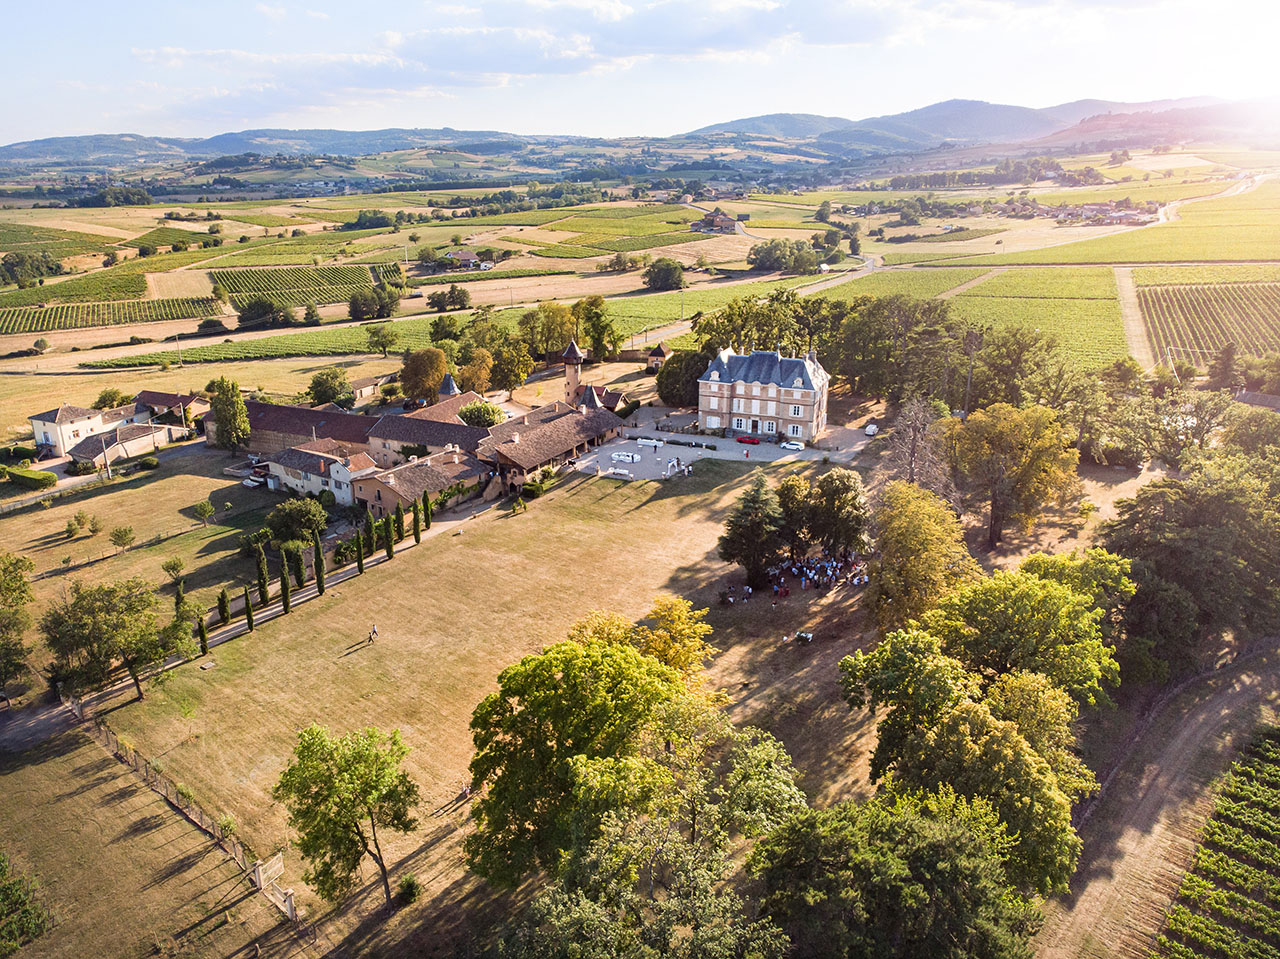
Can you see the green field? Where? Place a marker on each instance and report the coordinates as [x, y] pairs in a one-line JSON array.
[[1183, 275], [264, 219], [565, 252], [626, 226], [20, 238], [633, 244], [167, 236], [1229, 902], [1193, 322], [296, 285], [905, 259], [1091, 331], [1069, 283], [70, 316], [920, 283], [959, 236], [112, 284], [472, 276]]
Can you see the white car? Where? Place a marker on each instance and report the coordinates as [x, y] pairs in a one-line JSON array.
[[253, 482], [871, 429], [625, 457], [793, 445]]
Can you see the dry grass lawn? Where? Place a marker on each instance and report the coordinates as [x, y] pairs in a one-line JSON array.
[[123, 873], [451, 614]]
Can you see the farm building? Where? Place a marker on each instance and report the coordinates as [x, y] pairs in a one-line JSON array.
[[186, 408], [547, 436], [658, 355], [57, 431], [367, 387], [325, 464], [450, 469], [764, 393], [125, 442]]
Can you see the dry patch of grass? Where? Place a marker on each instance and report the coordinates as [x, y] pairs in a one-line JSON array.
[[124, 874], [179, 283]]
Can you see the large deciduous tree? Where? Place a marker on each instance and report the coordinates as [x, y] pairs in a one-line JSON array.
[[15, 596], [422, 372], [343, 795], [839, 516], [1017, 458], [230, 417]]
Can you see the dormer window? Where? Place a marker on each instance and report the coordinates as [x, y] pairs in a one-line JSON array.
[[798, 383], [715, 376]]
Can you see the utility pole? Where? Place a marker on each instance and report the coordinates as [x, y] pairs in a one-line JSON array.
[[102, 438], [177, 339]]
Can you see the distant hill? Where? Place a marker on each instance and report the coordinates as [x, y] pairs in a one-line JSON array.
[[787, 126]]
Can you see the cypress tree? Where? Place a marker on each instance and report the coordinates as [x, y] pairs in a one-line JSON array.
[[387, 542], [368, 534], [426, 511], [178, 596], [264, 578], [417, 521], [224, 607], [284, 590], [399, 516], [248, 609], [318, 561], [360, 554], [204, 636], [298, 566]]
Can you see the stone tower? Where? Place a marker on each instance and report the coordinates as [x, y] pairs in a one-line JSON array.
[[573, 358]]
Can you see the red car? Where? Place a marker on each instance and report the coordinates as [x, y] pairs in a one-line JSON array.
[[749, 440]]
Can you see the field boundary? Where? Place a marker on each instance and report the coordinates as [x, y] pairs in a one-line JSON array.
[[262, 874]]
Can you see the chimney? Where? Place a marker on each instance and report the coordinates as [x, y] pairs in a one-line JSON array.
[[524, 420], [515, 437], [457, 458]]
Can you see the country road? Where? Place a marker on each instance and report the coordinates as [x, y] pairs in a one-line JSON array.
[[1142, 834]]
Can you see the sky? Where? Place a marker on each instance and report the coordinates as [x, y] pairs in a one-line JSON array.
[[601, 67]]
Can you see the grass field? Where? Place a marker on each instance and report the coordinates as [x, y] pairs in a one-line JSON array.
[[472, 276], [1196, 275], [1229, 902], [1193, 322], [958, 236], [167, 236], [920, 283], [123, 873], [903, 259], [1083, 283], [1091, 331], [21, 238]]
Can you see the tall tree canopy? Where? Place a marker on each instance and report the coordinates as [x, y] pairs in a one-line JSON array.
[[840, 516], [752, 532], [230, 416], [421, 373]]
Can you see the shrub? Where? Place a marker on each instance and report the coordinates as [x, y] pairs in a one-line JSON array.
[[409, 888], [625, 411], [297, 519], [327, 499], [251, 541], [19, 453], [148, 463], [81, 468], [33, 479]]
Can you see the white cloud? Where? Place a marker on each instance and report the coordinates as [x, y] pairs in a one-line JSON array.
[[271, 13]]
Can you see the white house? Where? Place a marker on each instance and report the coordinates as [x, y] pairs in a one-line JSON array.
[[321, 465], [765, 394], [57, 431]]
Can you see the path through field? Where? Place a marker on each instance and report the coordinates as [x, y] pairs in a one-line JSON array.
[[1140, 838], [968, 285], [1135, 331]]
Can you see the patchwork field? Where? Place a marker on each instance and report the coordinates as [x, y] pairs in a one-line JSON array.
[[294, 286], [920, 283]]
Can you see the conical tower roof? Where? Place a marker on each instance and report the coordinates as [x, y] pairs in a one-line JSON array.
[[448, 387], [572, 354], [589, 399]]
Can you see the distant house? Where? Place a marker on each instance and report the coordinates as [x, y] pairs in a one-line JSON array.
[[57, 431], [465, 258], [657, 356], [125, 442], [715, 223], [369, 386], [764, 393], [324, 464], [450, 469]]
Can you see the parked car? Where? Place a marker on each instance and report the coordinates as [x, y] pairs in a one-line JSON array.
[[749, 440], [871, 429], [253, 482], [622, 456], [793, 445]]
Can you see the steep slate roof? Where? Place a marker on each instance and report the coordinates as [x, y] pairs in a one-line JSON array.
[[431, 474], [766, 366], [660, 350], [572, 354], [553, 438], [424, 432], [65, 414], [448, 387], [300, 421], [92, 446]]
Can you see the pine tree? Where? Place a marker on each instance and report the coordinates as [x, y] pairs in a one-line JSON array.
[[399, 519], [751, 534], [417, 521], [387, 542], [264, 578], [360, 554], [368, 534], [204, 636], [224, 607], [248, 609], [298, 566], [284, 590], [318, 561], [426, 511]]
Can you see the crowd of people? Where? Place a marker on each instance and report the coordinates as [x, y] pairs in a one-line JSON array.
[[818, 573]]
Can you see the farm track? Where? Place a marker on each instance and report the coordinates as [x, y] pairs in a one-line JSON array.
[[1135, 330], [970, 284], [1144, 832]]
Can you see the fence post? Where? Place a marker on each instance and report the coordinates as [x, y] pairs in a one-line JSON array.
[[256, 875], [291, 910]]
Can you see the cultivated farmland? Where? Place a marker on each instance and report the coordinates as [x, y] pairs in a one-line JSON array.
[[1192, 322], [167, 236], [1069, 283], [293, 286], [67, 316], [920, 283], [1091, 331], [1229, 903]]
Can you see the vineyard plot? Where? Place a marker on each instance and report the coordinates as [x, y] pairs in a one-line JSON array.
[[69, 316], [1229, 903], [294, 286], [1193, 322]]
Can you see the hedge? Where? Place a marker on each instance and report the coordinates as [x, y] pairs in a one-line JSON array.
[[33, 479], [625, 411], [19, 453]]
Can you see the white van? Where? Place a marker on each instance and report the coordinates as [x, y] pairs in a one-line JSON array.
[[652, 444], [624, 457]]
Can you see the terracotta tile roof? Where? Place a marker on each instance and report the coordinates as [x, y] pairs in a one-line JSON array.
[[301, 421], [432, 474], [426, 432], [553, 438], [92, 446], [605, 397], [446, 411], [159, 400], [65, 414], [365, 382]]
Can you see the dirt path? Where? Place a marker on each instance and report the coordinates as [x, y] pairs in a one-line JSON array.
[[1135, 331], [970, 284], [1141, 837]]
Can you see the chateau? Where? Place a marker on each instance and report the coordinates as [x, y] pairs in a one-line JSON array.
[[765, 394]]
